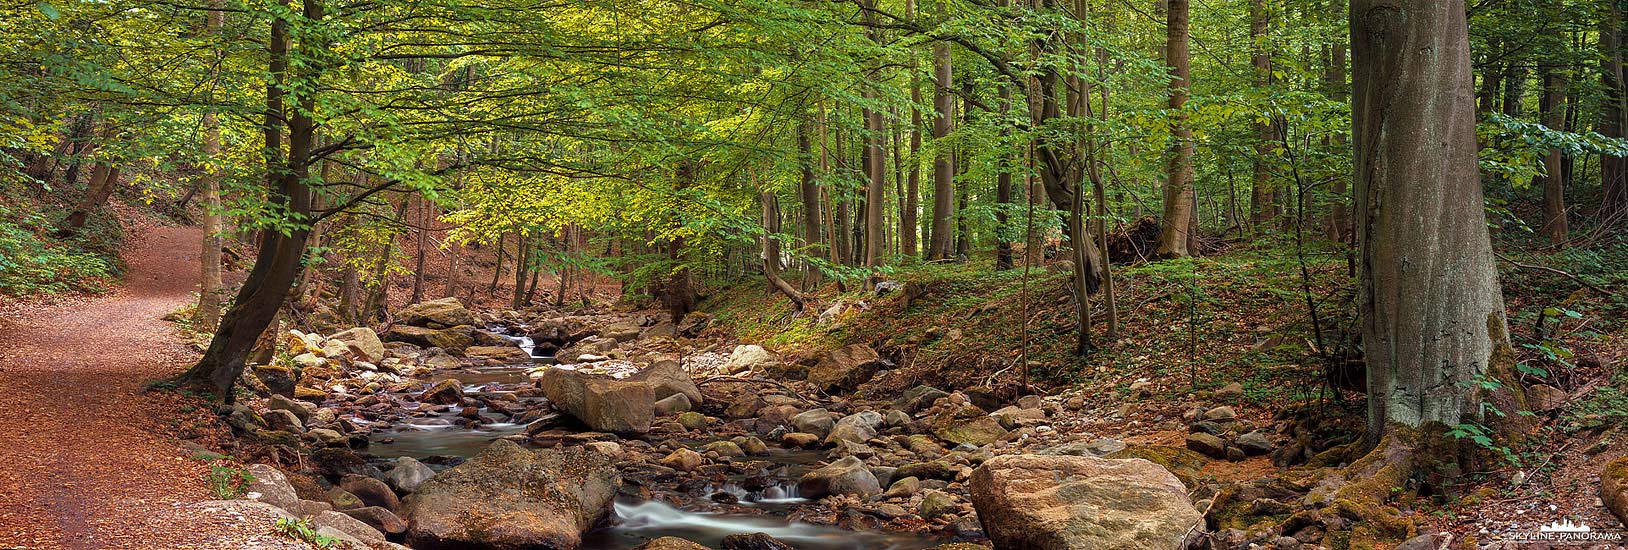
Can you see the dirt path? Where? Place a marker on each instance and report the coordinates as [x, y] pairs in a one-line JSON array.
[[83, 464]]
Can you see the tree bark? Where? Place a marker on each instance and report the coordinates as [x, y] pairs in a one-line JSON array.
[[1175, 229], [1003, 194], [771, 249], [875, 188], [277, 264], [103, 177], [1614, 123], [809, 189], [941, 239], [209, 283], [1432, 311], [908, 219], [1262, 196], [1553, 179]]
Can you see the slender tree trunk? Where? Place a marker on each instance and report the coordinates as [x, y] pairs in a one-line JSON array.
[[1339, 211], [941, 240], [1175, 230], [522, 255], [1262, 207], [423, 239], [963, 232], [1432, 311], [809, 189], [1614, 123], [908, 216], [1553, 179], [497, 270], [209, 284], [875, 189], [842, 234], [771, 249], [1003, 195]]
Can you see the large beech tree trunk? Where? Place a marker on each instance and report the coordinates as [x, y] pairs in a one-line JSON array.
[[277, 264], [1176, 227], [1432, 312]]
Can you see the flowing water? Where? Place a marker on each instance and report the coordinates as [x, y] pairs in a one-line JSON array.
[[438, 437]]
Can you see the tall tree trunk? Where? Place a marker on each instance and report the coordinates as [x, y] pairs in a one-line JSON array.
[[771, 249], [423, 238], [1003, 194], [1262, 207], [522, 255], [963, 232], [1176, 227], [277, 264], [875, 188], [497, 270], [209, 283], [1614, 123], [842, 233], [809, 190], [1553, 179], [941, 239], [908, 222], [1432, 311], [1339, 211]]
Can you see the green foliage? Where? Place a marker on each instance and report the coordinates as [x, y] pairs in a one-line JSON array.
[[227, 482], [301, 530], [32, 262]]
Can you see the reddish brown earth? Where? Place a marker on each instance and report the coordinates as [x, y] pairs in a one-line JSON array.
[[85, 460]]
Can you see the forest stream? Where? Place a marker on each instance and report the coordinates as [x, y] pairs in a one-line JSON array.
[[756, 505]]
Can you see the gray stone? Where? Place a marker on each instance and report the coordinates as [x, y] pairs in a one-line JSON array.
[[508, 497]]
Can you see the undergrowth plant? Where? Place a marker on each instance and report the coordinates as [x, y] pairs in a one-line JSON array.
[[226, 481], [301, 530]]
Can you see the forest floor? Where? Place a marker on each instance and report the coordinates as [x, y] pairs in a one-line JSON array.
[[87, 457]]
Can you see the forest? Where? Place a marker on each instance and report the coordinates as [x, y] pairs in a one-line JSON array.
[[813, 274]]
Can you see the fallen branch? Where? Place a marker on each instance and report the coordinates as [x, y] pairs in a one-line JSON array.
[[1562, 273]]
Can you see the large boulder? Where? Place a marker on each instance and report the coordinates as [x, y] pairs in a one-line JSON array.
[[592, 345], [845, 368], [667, 378], [408, 474], [363, 342], [978, 430], [443, 313], [453, 340], [271, 486], [749, 358], [603, 403], [506, 354], [509, 498], [848, 476], [1054, 502], [1614, 488], [448, 391], [857, 428], [371, 491], [816, 421]]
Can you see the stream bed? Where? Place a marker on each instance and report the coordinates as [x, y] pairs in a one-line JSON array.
[[440, 440]]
